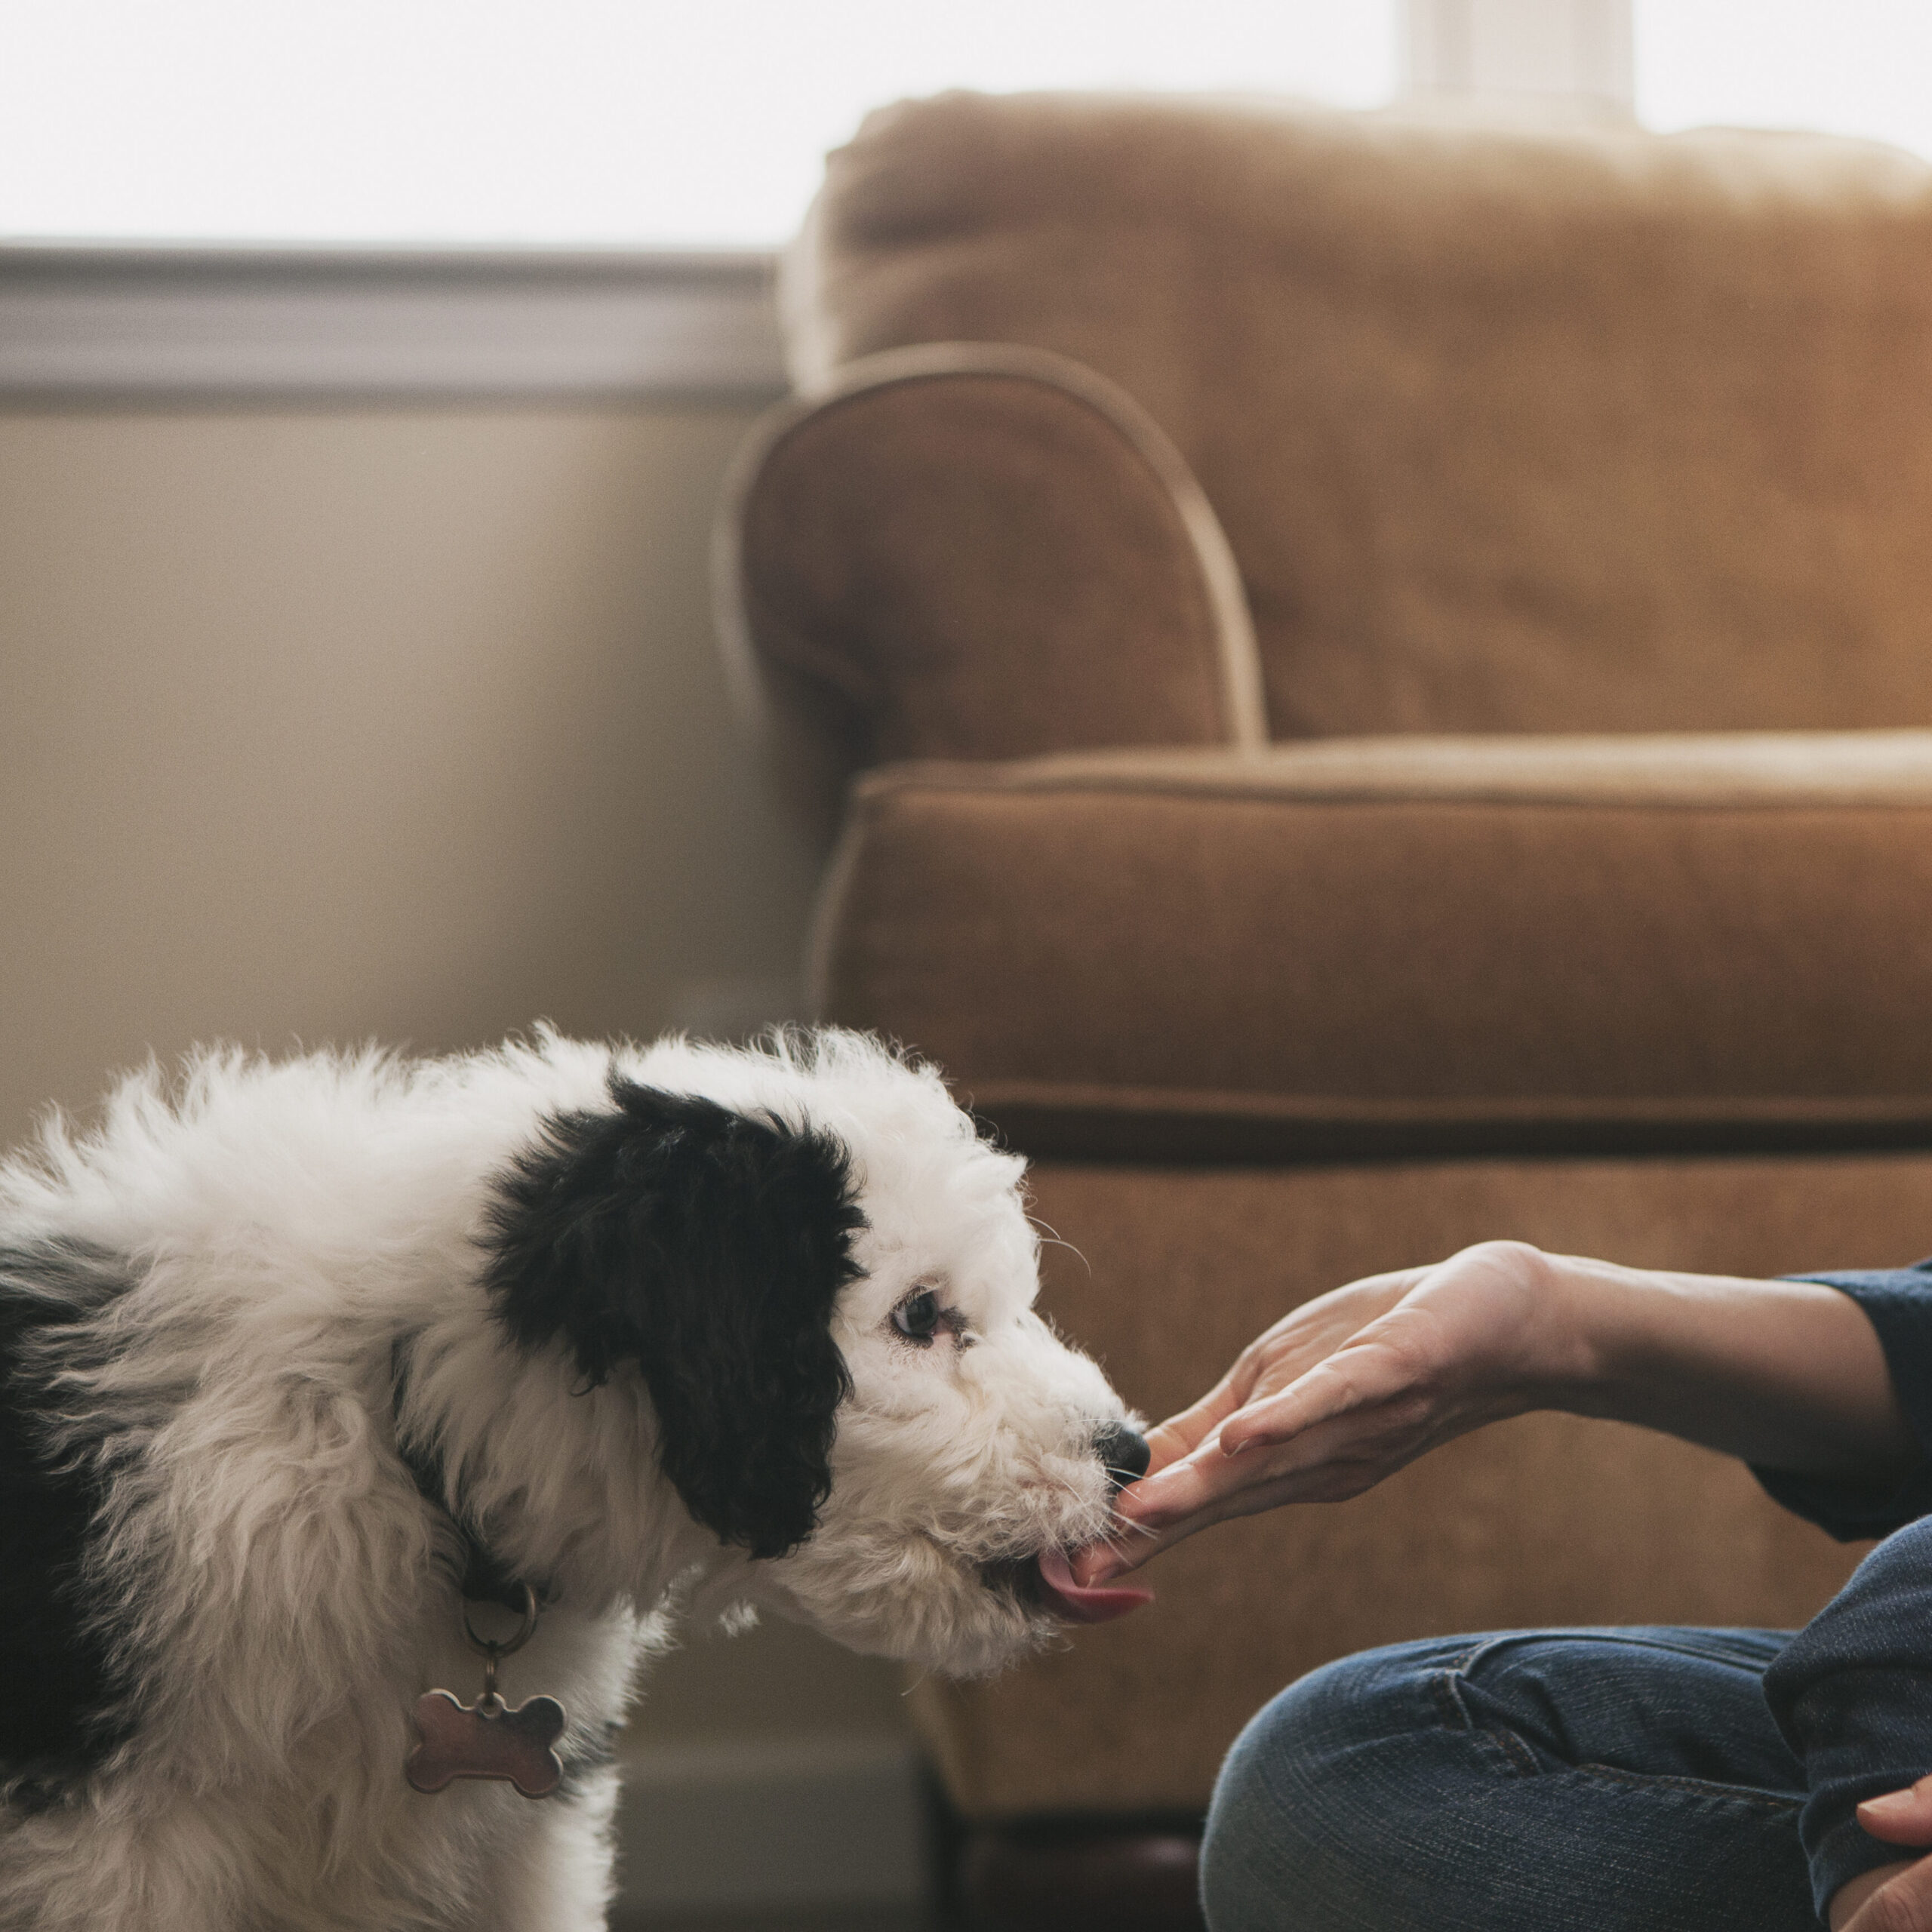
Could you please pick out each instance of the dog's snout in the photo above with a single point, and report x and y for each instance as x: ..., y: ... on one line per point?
x: 1124, y: 1451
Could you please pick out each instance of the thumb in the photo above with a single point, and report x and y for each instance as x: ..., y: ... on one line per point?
x: 1900, y: 1817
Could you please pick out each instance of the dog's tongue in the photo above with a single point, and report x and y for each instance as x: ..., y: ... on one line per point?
x: 1086, y: 1603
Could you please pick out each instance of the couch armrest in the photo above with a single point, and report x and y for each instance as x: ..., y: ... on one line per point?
x: 972, y: 551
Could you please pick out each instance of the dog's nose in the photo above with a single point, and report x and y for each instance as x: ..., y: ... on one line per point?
x: 1124, y: 1451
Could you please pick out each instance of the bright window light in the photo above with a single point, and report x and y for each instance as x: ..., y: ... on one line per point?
x: 596, y: 122
x: 1848, y: 66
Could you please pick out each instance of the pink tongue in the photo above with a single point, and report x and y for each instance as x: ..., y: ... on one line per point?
x: 1086, y: 1603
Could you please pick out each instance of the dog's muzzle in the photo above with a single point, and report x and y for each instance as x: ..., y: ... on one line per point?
x: 1045, y: 1580
x: 1123, y: 1452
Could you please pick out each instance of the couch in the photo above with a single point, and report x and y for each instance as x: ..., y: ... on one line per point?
x: 1378, y: 672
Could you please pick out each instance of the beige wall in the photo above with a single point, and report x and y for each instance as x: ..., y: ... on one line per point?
x: 403, y: 723
x: 406, y: 724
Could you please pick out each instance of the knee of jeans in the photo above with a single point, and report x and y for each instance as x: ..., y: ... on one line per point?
x: 1277, y: 1850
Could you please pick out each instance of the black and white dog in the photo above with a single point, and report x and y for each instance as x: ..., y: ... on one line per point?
x: 295, y: 1359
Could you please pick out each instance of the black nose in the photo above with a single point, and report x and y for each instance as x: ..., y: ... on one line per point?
x: 1124, y: 1452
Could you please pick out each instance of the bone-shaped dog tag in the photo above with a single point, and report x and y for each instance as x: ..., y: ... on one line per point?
x: 487, y: 1739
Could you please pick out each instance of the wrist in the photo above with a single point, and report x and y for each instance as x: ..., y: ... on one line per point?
x: 1594, y: 1334
x: 1534, y: 1353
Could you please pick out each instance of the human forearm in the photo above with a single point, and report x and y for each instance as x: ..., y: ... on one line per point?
x: 1348, y: 1388
x: 1789, y: 1375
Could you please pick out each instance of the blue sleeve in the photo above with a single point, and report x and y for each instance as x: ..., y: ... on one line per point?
x: 1852, y: 1693
x: 1898, y: 1303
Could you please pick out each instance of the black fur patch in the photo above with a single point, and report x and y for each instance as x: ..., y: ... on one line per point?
x: 708, y: 1246
x: 61, y: 1712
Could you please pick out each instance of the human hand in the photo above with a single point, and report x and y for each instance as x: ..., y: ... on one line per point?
x: 1343, y: 1391
x: 1895, y: 1897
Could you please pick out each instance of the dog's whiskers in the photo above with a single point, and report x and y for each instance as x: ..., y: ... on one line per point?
x: 1051, y: 1238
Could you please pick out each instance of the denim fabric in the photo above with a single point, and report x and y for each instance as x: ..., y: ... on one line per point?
x: 1852, y: 1693
x: 1897, y: 1302
x: 1528, y: 1781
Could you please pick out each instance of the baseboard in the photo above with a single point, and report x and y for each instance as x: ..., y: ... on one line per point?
x: 772, y: 1826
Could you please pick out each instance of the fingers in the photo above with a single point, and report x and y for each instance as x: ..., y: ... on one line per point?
x: 1900, y: 1817
x: 1273, y: 1451
x: 1184, y: 1488
x: 1358, y: 1375
x: 1196, y: 1506
x: 1900, y: 1900
x: 1279, y: 1357
x: 1324, y: 1363
x: 1129, y: 1547
x: 1895, y: 1898
x: 1181, y: 1435
x: 1335, y: 1459
x: 1260, y: 1365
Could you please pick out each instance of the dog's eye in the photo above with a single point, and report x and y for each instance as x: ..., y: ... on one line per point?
x: 917, y: 1317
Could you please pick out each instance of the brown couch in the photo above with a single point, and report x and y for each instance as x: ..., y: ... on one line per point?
x: 1389, y: 667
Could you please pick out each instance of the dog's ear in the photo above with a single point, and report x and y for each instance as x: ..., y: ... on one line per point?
x: 709, y: 1246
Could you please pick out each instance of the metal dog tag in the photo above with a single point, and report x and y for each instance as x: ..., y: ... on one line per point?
x: 486, y: 1739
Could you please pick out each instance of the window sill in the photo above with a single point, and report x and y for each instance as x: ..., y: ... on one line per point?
x: 104, y: 323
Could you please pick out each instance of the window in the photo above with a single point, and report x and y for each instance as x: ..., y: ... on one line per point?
x: 628, y: 130
x: 626, y: 122
x: 1853, y: 66
x: 644, y: 123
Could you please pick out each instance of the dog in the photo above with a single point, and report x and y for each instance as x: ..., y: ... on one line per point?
x: 303, y: 1363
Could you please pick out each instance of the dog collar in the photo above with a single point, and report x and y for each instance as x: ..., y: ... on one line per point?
x: 486, y: 1577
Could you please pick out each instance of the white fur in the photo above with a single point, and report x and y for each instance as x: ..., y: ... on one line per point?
x: 292, y: 1591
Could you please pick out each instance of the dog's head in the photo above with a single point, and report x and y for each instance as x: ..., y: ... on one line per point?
x: 819, y: 1278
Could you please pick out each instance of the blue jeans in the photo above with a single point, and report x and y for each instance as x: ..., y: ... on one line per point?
x: 1525, y: 1781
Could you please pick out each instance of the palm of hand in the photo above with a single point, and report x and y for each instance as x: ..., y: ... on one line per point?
x: 1340, y: 1393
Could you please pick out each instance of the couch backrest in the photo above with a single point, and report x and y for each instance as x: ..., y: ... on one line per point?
x: 1511, y: 429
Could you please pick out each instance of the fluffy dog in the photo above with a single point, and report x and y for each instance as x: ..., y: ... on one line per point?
x: 295, y: 1360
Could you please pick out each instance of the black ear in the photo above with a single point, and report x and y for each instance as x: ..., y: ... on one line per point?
x: 709, y: 1246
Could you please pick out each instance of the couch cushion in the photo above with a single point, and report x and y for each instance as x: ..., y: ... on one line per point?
x: 1510, y: 429
x: 1408, y: 944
